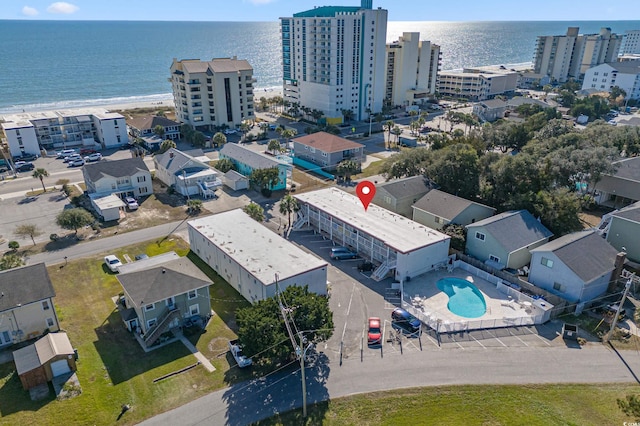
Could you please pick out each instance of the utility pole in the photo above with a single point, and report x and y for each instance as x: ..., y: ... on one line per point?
x: 627, y: 286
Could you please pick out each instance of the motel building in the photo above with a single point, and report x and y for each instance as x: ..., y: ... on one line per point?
x: 394, y: 243
x: 251, y: 257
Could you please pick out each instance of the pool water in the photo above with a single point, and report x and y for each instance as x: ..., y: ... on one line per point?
x: 465, y: 299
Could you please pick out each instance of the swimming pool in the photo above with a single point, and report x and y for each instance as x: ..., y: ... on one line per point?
x: 465, y: 299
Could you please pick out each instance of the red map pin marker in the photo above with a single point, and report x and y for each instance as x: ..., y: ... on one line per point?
x: 365, y: 191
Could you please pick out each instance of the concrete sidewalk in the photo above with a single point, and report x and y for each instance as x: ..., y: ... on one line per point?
x: 203, y: 360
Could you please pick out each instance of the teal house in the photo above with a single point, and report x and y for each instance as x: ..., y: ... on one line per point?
x: 246, y: 161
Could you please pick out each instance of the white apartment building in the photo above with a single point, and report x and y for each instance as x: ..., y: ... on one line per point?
x: 625, y: 75
x: 214, y: 93
x: 478, y: 84
x: 412, y: 70
x: 29, y: 133
x: 630, y: 43
x: 569, y: 56
x: 333, y: 59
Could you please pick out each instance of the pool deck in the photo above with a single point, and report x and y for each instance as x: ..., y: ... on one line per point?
x: 423, y: 294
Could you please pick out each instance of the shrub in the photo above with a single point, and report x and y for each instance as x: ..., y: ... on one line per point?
x: 14, y: 245
x: 54, y: 237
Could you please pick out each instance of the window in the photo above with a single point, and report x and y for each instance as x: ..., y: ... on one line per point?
x: 142, y: 178
x: 50, y: 322
x: 194, y: 309
x: 150, y: 307
x: 494, y: 258
x: 480, y: 236
x: 45, y: 305
x: 170, y: 301
x: 547, y: 262
x: 192, y: 294
x: 436, y: 219
x: 558, y: 287
x: 151, y: 323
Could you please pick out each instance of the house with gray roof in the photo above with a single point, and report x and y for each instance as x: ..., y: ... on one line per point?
x: 246, y: 161
x: 622, y: 187
x: 438, y: 208
x: 141, y: 127
x: 26, y: 304
x: 162, y: 295
x: 129, y: 177
x: 327, y: 150
x: 185, y: 173
x: 400, y: 194
x: 576, y: 267
x: 621, y: 229
x: 505, y: 240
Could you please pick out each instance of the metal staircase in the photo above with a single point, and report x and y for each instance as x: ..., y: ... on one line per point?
x: 383, y: 270
x: 151, y: 336
x: 300, y: 222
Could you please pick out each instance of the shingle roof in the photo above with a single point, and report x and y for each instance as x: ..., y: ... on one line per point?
x: 234, y: 176
x: 161, y: 282
x: 407, y: 187
x: 626, y: 67
x: 444, y: 205
x: 631, y: 212
x: 255, y: 160
x: 326, y: 142
x: 175, y: 160
x: 149, y: 122
x: 42, y: 351
x: 514, y: 230
x: 116, y: 168
x: 586, y: 253
x: 629, y: 168
x: 21, y: 286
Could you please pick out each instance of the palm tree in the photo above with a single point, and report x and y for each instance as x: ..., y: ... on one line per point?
x: 387, y: 126
x: 288, y: 205
x: 255, y: 211
x: 244, y: 128
x: 274, y: 146
x: 347, y: 168
x: 397, y: 131
x: 219, y: 139
x: 40, y: 174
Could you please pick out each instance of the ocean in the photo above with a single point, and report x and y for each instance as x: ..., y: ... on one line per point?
x: 67, y: 64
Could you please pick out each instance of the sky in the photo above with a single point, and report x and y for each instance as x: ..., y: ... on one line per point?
x: 271, y: 10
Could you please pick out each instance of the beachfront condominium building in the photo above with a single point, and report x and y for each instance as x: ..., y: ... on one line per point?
x: 478, y: 84
x: 412, y: 70
x: 333, y: 59
x: 212, y: 94
x: 30, y: 133
x: 625, y: 75
x: 631, y: 43
x: 569, y: 56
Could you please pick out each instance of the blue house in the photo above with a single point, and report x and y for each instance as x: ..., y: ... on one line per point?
x: 246, y: 161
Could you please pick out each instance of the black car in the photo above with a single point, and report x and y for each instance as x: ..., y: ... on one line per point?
x: 404, y: 320
x: 24, y: 167
x: 26, y: 157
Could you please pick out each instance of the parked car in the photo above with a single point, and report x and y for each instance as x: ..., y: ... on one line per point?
x: 272, y: 126
x: 72, y: 157
x: 236, y: 351
x: 23, y: 166
x: 96, y: 156
x: 26, y: 157
x: 374, y: 335
x: 230, y: 131
x: 339, y: 253
x: 131, y: 203
x: 112, y: 262
x: 405, y: 321
x: 87, y: 151
x: 65, y: 153
x: 365, y: 266
x: 142, y: 256
x: 76, y: 162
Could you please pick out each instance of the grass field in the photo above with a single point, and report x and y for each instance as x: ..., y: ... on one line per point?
x: 472, y: 405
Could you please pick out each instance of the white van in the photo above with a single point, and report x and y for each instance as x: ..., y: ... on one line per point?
x: 65, y: 153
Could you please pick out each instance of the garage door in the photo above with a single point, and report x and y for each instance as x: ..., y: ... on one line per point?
x: 60, y: 367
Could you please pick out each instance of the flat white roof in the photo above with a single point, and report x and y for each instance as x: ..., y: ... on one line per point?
x: 396, y: 231
x: 100, y: 113
x: 254, y: 247
x: 108, y: 202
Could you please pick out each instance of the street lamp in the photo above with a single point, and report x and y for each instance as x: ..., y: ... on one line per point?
x: 301, y: 354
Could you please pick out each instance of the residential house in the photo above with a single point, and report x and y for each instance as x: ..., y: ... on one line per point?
x: 40, y: 362
x: 621, y: 229
x: 235, y: 180
x: 160, y: 293
x: 326, y: 151
x: 437, y: 209
x: 253, y: 259
x: 622, y: 187
x: 604, y: 77
x: 505, y: 240
x: 127, y: 177
x: 26, y: 304
x: 186, y: 174
x: 576, y: 267
x: 532, y: 80
x: 399, y: 195
x: 490, y: 110
x: 246, y: 161
x: 140, y: 127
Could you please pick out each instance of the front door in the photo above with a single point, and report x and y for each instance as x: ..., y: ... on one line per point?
x: 5, y: 338
x: 133, y: 325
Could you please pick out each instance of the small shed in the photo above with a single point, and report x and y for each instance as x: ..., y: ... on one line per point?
x: 108, y: 207
x: 235, y: 180
x: 40, y: 362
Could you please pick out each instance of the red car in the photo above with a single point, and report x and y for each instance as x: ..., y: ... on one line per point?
x: 374, y: 336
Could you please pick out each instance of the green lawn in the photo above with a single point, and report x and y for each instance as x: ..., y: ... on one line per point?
x: 112, y: 368
x: 472, y: 405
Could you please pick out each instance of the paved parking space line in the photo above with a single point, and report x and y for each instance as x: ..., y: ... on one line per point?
x: 432, y: 340
x: 496, y: 337
x: 454, y: 341
x: 477, y: 341
x: 523, y: 342
x: 536, y: 334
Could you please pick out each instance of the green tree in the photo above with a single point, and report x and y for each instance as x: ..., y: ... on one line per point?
x: 347, y: 115
x: 265, y: 179
x: 219, y: 139
x: 11, y: 260
x: 274, y: 146
x: 255, y: 211
x: 244, y: 129
x: 224, y: 165
x: 194, y: 206
x: 289, y: 205
x: 187, y: 131
x: 406, y: 163
x: 28, y: 230
x: 73, y: 219
x: 13, y: 245
x: 455, y: 168
x: 396, y: 131
x: 630, y: 406
x: 159, y: 130
x: 558, y: 210
x: 166, y: 146
x: 262, y: 330
x: 347, y: 168
x: 198, y: 139
x: 617, y: 95
x: 458, y: 234
x: 40, y: 173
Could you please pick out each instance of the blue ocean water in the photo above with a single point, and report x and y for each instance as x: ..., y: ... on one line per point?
x: 61, y: 64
